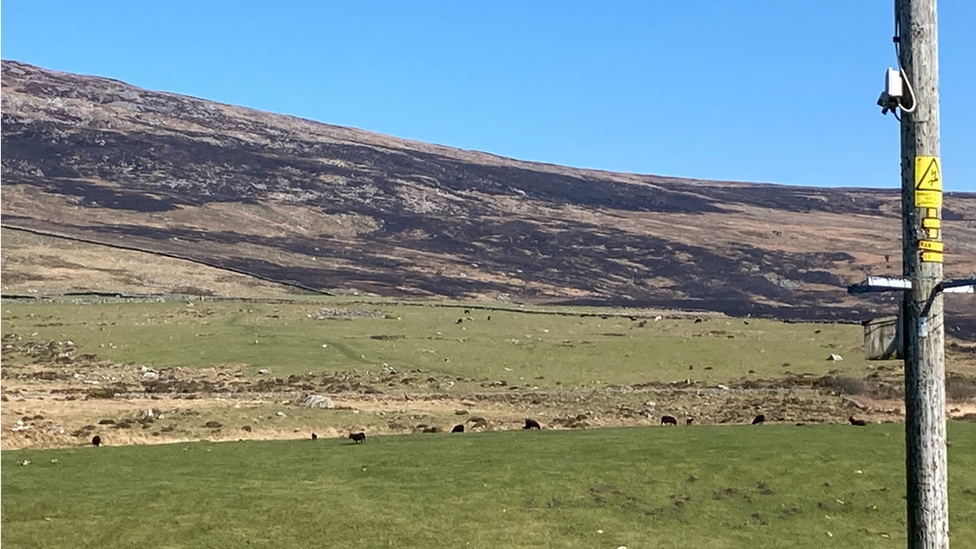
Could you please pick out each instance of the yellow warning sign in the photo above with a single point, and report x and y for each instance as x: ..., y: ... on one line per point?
x: 928, y: 182
x: 932, y: 257
x: 930, y: 246
x: 928, y: 173
x: 932, y: 223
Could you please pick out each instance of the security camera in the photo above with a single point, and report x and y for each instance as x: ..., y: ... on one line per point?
x: 890, y: 98
x: 887, y: 102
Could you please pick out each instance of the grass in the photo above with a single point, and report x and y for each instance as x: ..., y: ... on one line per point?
x: 515, y: 346
x: 703, y: 487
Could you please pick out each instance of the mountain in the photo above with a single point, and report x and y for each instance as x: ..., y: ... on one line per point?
x: 338, y: 209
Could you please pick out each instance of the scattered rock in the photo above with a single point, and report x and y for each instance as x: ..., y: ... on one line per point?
x: 316, y: 401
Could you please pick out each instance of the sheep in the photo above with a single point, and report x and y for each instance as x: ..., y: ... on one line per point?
x: 668, y: 420
x: 759, y: 419
x: 459, y: 428
x: 314, y: 436
x: 531, y: 424
x: 96, y: 441
x: 358, y: 437
x: 857, y: 422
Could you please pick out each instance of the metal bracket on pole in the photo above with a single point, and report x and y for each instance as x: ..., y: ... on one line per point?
x: 875, y: 284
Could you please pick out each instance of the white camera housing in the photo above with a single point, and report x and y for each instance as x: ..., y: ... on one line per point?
x: 891, y: 96
x: 893, y: 83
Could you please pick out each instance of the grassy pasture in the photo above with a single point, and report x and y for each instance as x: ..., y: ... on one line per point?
x: 703, y: 487
x: 515, y: 346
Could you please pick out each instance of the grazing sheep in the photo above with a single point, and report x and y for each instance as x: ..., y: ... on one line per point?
x: 532, y: 424
x: 96, y: 440
x: 458, y: 429
x: 858, y: 422
x: 459, y: 321
x: 358, y: 437
x: 314, y: 436
x: 689, y: 421
x: 668, y: 420
x: 759, y: 419
x: 467, y: 311
x: 489, y: 317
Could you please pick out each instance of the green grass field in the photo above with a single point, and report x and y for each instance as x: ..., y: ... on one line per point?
x: 702, y: 487
x: 566, y: 349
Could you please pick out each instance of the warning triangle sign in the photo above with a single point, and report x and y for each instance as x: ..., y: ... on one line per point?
x: 928, y: 173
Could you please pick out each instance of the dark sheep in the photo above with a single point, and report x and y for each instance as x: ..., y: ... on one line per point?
x: 314, y: 436
x: 668, y: 420
x: 698, y: 321
x: 458, y: 429
x: 96, y: 440
x: 467, y: 311
x: 489, y: 317
x: 759, y: 419
x: 857, y: 422
x: 532, y: 424
x: 459, y: 321
x: 689, y: 421
x: 358, y: 437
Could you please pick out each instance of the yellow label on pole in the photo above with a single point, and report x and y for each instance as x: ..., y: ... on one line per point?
x: 932, y: 257
x: 930, y: 246
x: 928, y: 182
x: 932, y: 233
x: 928, y: 199
x: 932, y: 223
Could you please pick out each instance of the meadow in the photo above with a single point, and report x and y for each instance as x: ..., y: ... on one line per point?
x: 547, y: 349
x: 704, y: 487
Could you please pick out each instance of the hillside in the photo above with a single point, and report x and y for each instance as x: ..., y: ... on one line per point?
x: 340, y: 210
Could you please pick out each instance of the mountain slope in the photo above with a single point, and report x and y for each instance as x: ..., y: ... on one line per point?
x: 336, y: 208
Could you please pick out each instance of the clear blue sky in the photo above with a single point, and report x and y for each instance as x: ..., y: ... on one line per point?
x: 777, y: 91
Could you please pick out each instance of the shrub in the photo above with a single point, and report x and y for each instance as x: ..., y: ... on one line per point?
x: 841, y: 384
x: 960, y: 388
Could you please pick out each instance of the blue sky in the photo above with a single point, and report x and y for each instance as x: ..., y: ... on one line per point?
x: 776, y: 91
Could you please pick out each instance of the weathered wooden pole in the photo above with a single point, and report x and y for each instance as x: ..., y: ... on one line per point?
x: 921, y: 180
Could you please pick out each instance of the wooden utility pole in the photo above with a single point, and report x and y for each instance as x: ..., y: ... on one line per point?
x: 921, y: 180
